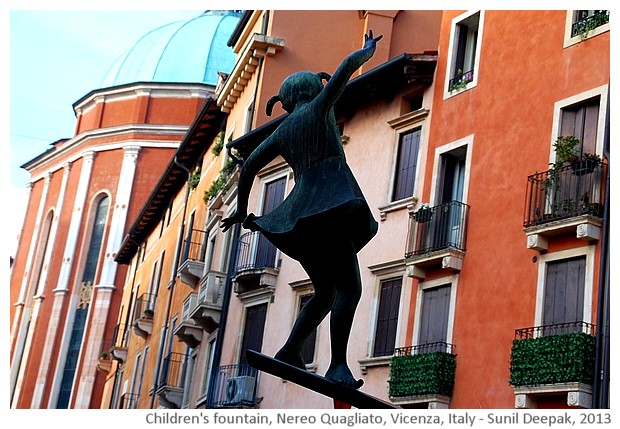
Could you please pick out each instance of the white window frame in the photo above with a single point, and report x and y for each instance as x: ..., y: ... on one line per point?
x: 382, y: 273
x: 468, y: 142
x: 453, y: 280
x: 559, y: 106
x: 452, y: 52
x: 568, y: 28
x: 589, y: 253
x: 402, y: 125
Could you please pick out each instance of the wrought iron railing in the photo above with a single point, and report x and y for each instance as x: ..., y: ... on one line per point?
x: 194, y: 246
x: 565, y: 192
x: 555, y: 329
x: 144, y: 306
x: 460, y: 80
x: 235, y: 386
x: 255, y: 251
x: 173, y: 370
x: 438, y: 346
x: 437, y: 228
x: 587, y: 23
x: 128, y: 401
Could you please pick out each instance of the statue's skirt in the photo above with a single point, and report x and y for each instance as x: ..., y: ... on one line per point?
x: 326, y: 203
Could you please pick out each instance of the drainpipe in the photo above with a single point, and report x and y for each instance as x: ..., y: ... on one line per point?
x: 232, y: 260
x: 221, y: 331
x: 601, y: 364
x: 175, y: 267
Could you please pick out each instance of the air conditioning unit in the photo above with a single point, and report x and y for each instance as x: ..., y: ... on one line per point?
x: 240, y: 390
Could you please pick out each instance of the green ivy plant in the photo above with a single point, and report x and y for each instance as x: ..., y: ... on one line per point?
x: 553, y: 359
x: 217, y: 147
x: 422, y: 374
x: 583, y: 28
x: 220, y: 181
x: 195, y: 178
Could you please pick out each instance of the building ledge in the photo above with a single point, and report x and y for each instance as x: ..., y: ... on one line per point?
x: 189, y: 334
x: 119, y: 353
x: 143, y: 327
x: 577, y: 394
x: 190, y: 272
x: 255, y: 278
x: 170, y: 397
x: 431, y: 401
x: 586, y: 227
x: 447, y: 259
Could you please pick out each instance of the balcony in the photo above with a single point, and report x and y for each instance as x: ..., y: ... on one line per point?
x: 143, y: 315
x: 235, y: 387
x: 436, y: 238
x: 208, y: 308
x: 423, y: 375
x: 553, y: 360
x: 187, y: 331
x: 460, y: 81
x: 118, y: 347
x: 567, y: 200
x: 172, y: 381
x: 193, y: 258
x: 586, y: 23
x: 257, y: 264
x: 104, y: 363
x: 128, y: 401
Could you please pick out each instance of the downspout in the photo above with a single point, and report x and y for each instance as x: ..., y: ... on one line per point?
x: 175, y: 267
x: 232, y: 259
x: 601, y: 363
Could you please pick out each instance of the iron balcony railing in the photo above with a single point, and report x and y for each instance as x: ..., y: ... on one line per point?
x: 194, y: 246
x: 173, y: 371
x: 438, y: 346
x: 254, y: 251
x: 234, y: 387
x: 460, y: 80
x: 588, y: 23
x: 555, y: 329
x: 565, y: 192
x: 437, y: 228
x: 144, y: 307
x: 128, y: 401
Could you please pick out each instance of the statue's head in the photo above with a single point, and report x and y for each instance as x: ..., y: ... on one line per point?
x: 301, y: 86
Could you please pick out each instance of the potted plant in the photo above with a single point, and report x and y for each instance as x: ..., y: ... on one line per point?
x: 585, y: 164
x: 424, y: 214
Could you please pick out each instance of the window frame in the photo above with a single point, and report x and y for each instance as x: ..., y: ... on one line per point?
x: 589, y: 253
x: 430, y: 284
x: 570, y: 40
x: 453, y: 50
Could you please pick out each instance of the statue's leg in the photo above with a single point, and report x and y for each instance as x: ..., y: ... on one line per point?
x: 344, y: 270
x: 310, y: 315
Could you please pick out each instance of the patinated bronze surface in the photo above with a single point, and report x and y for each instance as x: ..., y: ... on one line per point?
x: 325, y: 220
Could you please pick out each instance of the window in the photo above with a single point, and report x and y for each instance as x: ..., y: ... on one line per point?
x: 253, y: 330
x: 585, y: 21
x: 406, y: 164
x: 273, y: 195
x: 564, y: 291
x: 387, y: 317
x: 81, y: 312
x: 581, y: 120
x: 464, y: 51
x: 434, y: 317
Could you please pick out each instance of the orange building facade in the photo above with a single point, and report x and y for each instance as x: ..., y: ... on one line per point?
x: 489, y: 265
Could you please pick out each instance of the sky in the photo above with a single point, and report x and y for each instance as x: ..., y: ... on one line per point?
x: 56, y: 57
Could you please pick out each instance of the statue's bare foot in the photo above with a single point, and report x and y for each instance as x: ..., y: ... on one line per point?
x: 292, y: 358
x: 341, y: 374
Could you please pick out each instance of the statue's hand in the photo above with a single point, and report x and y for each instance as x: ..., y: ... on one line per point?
x: 370, y: 41
x: 237, y: 217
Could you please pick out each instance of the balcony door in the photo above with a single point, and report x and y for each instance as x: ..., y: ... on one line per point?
x: 434, y: 318
x: 273, y: 196
x: 564, y: 295
x: 450, y: 197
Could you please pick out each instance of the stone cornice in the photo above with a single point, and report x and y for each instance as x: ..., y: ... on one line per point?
x: 259, y: 46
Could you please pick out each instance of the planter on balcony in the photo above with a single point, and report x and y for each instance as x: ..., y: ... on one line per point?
x: 566, y: 358
x: 422, y: 374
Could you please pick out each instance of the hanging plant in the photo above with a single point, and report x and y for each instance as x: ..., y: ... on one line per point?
x: 218, y: 145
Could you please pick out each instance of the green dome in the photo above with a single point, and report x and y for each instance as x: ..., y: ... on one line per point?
x: 191, y: 51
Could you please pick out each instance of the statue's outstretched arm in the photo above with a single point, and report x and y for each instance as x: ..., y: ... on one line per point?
x: 260, y: 157
x: 345, y: 70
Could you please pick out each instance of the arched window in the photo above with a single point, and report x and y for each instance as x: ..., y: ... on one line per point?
x: 79, y: 322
